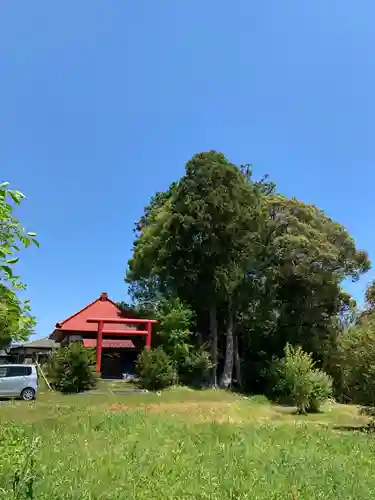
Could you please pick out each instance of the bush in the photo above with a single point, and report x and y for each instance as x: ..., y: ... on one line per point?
x: 155, y: 369
x: 321, y: 389
x: 191, y: 361
x: 298, y: 379
x: 71, y: 369
x: 195, y: 368
x: 356, y: 357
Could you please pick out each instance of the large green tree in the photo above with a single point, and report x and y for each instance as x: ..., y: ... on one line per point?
x: 294, y: 286
x: 16, y: 321
x: 259, y: 269
x: 196, y: 239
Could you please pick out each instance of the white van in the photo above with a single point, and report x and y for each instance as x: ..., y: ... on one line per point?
x: 18, y: 381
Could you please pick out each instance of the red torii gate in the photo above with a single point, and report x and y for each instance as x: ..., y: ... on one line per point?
x: 102, y: 331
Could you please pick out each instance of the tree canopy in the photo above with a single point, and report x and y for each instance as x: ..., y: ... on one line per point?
x: 258, y: 269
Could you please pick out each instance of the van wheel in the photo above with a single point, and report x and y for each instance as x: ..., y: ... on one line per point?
x: 28, y: 394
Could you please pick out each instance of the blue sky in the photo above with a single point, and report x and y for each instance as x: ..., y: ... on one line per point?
x: 103, y: 103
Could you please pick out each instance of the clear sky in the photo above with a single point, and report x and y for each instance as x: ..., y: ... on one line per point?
x: 102, y: 103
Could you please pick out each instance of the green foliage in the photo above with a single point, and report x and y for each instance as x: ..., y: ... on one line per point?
x: 17, y: 465
x: 355, y: 357
x: 195, y: 368
x: 155, y: 369
x: 321, y: 389
x: 197, y: 235
x: 7, y: 326
x: 306, y: 385
x: 293, y: 293
x: 253, y: 265
x: 16, y: 321
x: 175, y: 321
x: 71, y: 369
x: 357, y: 362
x: 191, y: 361
x: 370, y: 297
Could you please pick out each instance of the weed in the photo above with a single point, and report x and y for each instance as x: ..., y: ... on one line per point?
x: 18, y: 453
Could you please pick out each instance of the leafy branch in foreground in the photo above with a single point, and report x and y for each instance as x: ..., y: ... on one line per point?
x: 16, y: 321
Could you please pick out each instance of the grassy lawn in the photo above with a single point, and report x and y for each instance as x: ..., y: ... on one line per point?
x: 187, y: 444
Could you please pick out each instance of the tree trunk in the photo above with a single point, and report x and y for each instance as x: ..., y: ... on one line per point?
x: 226, y: 378
x: 237, y: 361
x: 214, y: 344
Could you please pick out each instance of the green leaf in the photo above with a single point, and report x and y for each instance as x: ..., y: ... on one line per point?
x: 7, y: 270
x: 16, y: 196
x: 31, y: 234
x: 26, y: 241
x: 12, y: 261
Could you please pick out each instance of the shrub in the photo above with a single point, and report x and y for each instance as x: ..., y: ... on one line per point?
x: 70, y: 369
x: 191, y: 361
x: 321, y: 389
x: 306, y: 385
x: 155, y: 369
x: 356, y: 357
x: 195, y: 368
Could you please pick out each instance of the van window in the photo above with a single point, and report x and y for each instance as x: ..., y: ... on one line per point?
x: 18, y: 371
x: 3, y: 371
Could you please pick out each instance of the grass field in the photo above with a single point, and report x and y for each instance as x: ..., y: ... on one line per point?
x: 185, y: 444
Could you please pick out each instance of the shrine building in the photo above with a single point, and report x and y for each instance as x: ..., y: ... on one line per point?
x: 118, y: 337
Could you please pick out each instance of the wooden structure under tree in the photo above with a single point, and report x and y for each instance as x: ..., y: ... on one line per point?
x: 104, y: 326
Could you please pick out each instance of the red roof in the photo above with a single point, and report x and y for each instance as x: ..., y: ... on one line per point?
x: 102, y: 307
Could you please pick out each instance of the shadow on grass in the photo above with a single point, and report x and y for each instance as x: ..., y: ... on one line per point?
x: 353, y: 428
